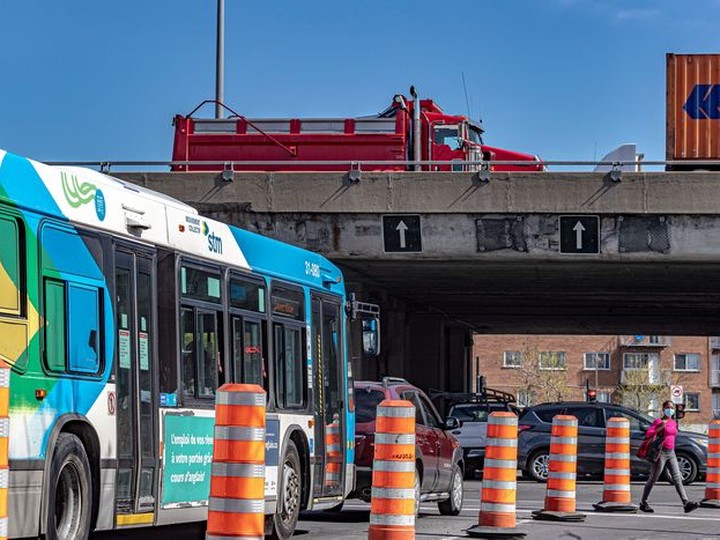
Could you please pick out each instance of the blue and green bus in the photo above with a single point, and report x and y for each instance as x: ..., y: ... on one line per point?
x: 121, y: 312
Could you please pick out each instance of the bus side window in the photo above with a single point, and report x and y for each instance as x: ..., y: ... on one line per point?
x: 187, y: 325
x: 289, y: 366
x: 249, y: 352
x: 11, y: 268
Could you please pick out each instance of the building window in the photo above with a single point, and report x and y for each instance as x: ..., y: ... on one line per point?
x: 635, y: 360
x: 553, y: 360
x: 692, y: 401
x: 512, y: 359
x: 716, y: 404
x: 687, y: 362
x: 597, y: 360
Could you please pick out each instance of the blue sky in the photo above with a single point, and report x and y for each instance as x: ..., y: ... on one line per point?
x: 566, y: 79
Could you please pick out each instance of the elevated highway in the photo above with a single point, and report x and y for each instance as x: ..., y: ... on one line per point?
x: 487, y: 256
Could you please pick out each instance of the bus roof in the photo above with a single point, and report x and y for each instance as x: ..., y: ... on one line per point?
x: 95, y: 200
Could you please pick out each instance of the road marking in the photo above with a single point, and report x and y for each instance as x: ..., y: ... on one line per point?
x: 424, y: 506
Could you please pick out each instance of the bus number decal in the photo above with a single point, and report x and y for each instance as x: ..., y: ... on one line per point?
x: 312, y: 269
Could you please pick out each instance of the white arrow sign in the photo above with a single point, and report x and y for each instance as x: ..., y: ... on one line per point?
x: 579, y: 229
x: 402, y: 228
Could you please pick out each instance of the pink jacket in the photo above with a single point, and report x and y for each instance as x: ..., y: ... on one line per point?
x: 669, y: 432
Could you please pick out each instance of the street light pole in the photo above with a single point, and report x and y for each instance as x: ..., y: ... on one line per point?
x: 220, y: 59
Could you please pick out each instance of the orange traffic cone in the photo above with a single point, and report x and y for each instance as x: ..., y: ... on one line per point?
x: 560, y: 500
x: 616, y: 486
x: 712, y: 478
x: 237, y: 485
x: 392, y: 504
x: 4, y: 446
x: 499, y: 485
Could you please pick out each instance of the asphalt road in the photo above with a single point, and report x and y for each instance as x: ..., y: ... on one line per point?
x: 668, y: 521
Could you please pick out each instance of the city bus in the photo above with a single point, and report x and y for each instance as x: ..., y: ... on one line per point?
x: 121, y: 312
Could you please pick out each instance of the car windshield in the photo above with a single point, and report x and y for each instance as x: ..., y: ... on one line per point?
x: 470, y: 412
x: 366, y: 402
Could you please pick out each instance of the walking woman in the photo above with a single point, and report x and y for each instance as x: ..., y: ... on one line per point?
x: 666, y: 428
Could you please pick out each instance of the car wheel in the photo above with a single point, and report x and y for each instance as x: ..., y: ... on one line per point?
x: 538, y: 465
x: 688, y: 469
x: 453, y: 505
x: 416, y: 487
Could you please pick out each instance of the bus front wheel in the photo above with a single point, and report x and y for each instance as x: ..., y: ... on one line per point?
x: 69, y: 503
x: 289, y: 494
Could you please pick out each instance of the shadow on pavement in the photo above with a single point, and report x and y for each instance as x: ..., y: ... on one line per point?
x: 346, y: 516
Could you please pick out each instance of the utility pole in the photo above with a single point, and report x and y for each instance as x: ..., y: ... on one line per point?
x: 220, y: 60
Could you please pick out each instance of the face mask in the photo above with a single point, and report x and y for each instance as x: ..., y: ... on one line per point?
x: 669, y: 412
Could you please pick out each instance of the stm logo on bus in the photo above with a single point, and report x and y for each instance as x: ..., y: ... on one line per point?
x: 215, y: 244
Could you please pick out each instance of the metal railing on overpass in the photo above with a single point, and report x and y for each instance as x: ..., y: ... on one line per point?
x: 617, y: 167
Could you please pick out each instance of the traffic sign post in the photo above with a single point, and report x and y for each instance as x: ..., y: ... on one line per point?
x: 580, y: 234
x: 402, y: 234
x: 676, y: 393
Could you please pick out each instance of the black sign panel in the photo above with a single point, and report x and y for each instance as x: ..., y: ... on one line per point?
x: 579, y: 234
x: 401, y: 234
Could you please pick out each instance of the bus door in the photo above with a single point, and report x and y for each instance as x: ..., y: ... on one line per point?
x: 329, y: 391
x: 137, y: 450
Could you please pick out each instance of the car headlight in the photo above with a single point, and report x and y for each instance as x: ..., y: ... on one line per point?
x: 699, y: 441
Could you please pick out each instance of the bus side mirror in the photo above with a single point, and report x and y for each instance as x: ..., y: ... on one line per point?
x: 371, y: 336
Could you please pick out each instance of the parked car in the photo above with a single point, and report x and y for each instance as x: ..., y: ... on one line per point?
x: 439, y: 461
x: 472, y: 410
x: 534, y: 440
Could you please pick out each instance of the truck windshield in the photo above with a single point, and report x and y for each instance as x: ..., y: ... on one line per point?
x: 475, y: 134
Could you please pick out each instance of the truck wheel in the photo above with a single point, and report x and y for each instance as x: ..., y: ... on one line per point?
x: 453, y: 505
x: 69, y: 493
x: 290, y: 495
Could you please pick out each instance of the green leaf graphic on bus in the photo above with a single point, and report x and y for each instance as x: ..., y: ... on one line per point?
x: 77, y: 194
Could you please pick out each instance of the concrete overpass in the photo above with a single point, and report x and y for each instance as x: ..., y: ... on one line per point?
x: 490, y: 252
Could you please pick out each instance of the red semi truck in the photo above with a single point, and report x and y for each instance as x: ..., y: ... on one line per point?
x: 382, y: 142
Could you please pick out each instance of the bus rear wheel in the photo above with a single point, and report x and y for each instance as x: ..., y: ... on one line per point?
x: 289, y: 494
x: 69, y: 494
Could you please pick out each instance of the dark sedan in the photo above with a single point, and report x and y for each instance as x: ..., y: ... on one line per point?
x: 534, y: 440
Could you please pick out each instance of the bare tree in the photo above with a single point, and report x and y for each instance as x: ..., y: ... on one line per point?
x: 542, y: 375
x: 644, y: 389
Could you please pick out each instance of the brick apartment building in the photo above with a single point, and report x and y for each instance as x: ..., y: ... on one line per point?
x: 612, y: 365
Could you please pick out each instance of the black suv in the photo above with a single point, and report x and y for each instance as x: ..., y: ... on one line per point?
x: 534, y: 440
